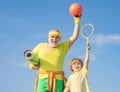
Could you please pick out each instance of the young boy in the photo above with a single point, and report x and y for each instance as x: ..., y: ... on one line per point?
x: 77, y: 82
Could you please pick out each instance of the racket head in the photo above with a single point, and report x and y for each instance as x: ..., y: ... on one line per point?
x: 87, y: 37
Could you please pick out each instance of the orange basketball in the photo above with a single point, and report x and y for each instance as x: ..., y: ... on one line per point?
x: 75, y: 10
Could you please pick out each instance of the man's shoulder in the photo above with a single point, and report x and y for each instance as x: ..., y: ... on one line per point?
x: 41, y: 44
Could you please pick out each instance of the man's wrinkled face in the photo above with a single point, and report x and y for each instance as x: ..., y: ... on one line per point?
x: 54, y: 38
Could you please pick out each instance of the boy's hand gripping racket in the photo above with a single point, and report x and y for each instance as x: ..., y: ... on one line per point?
x: 87, y: 37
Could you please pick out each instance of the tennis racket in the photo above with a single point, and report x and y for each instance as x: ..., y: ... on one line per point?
x: 91, y: 31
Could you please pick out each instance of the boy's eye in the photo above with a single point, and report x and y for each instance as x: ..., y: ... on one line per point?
x: 76, y: 63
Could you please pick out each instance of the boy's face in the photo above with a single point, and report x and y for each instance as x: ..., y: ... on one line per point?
x: 53, y: 40
x: 76, y: 66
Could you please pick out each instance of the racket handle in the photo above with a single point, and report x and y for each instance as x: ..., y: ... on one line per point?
x: 87, y: 43
x: 87, y: 46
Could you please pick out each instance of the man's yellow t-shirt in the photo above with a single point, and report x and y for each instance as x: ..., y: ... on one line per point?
x: 51, y: 60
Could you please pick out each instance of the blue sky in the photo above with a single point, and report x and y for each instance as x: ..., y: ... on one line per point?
x: 25, y: 23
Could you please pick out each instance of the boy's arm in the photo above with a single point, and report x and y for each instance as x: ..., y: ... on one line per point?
x: 87, y: 56
x: 75, y: 31
x: 67, y: 89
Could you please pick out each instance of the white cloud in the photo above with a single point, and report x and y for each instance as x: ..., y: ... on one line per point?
x: 102, y: 39
x: 24, y: 65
